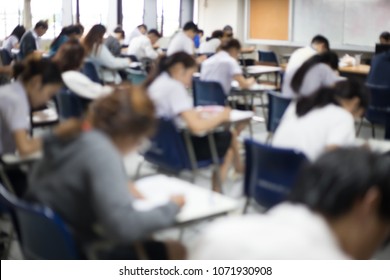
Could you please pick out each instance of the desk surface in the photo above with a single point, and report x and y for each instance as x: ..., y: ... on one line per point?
x: 200, y: 203
x: 254, y: 88
x: 361, y: 69
x: 262, y: 69
x: 376, y: 145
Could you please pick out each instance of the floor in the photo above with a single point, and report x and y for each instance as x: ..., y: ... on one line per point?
x: 232, y: 188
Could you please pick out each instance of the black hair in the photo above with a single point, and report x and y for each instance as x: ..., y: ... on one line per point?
x: 18, y: 31
x: 347, y: 89
x: 216, y: 34
x: 120, y: 30
x: 190, y: 26
x: 385, y: 35
x: 332, y: 184
x: 227, y: 28
x: 231, y: 44
x: 143, y: 26
x: 167, y: 62
x: 329, y: 58
x: 42, y: 24
x: 155, y: 32
x: 319, y: 39
x: 48, y: 70
x: 66, y: 31
x: 200, y: 31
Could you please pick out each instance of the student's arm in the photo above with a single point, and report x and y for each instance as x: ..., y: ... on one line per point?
x: 197, y: 124
x: 26, y: 145
x: 149, y: 50
x: 244, y: 83
x: 106, y: 59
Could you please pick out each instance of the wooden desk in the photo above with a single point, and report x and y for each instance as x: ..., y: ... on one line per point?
x: 357, y: 70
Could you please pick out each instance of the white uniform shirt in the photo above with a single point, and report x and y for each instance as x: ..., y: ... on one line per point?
x: 296, y: 60
x: 318, y: 76
x: 170, y: 97
x: 285, y: 232
x: 14, y: 115
x: 181, y: 43
x: 209, y: 46
x: 313, y: 132
x: 10, y: 42
x: 141, y: 47
x: 221, y: 68
x: 134, y: 34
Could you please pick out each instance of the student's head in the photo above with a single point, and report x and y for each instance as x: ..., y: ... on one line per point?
x: 350, y: 188
x: 153, y: 36
x: 94, y: 37
x: 352, y: 95
x: 191, y: 29
x: 74, y: 32
x: 41, y: 79
x: 233, y: 47
x: 384, y: 38
x: 69, y: 56
x: 142, y: 28
x: 217, y: 34
x: 320, y: 44
x: 119, y: 33
x: 18, y: 31
x: 200, y: 33
x: 80, y: 27
x: 180, y: 66
x: 329, y: 58
x: 41, y: 27
x: 227, y: 33
x: 127, y: 116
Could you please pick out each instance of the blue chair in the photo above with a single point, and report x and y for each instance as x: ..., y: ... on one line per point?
x: 378, y: 112
x: 6, y: 57
x: 268, y: 57
x: 89, y: 69
x: 270, y: 173
x: 70, y: 105
x: 208, y: 93
x: 42, y: 233
x: 172, y: 150
x: 277, y: 105
x: 136, y: 77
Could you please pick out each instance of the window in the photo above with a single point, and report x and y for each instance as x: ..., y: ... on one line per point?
x: 168, y: 15
x: 92, y: 12
x: 10, y: 16
x: 133, y: 14
x: 48, y: 10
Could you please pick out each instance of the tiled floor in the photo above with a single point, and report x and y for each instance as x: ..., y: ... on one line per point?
x: 232, y: 188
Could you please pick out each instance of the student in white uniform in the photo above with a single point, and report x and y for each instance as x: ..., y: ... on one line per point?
x: 322, y: 121
x: 212, y: 43
x: 319, y: 44
x: 138, y: 31
x: 320, y: 70
x: 183, y: 41
x: 223, y: 67
x: 338, y: 210
x: 99, y: 54
x: 142, y: 46
x: 168, y: 92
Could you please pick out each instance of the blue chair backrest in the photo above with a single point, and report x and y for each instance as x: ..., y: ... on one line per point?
x: 70, y: 105
x: 5, y: 56
x: 208, y: 93
x: 277, y: 105
x: 42, y: 233
x: 268, y: 56
x: 270, y: 172
x: 378, y: 111
x: 168, y: 149
x: 89, y: 70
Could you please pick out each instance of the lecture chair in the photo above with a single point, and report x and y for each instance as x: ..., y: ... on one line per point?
x: 270, y: 173
x: 208, y: 93
x: 6, y: 57
x: 89, y: 69
x: 172, y: 151
x: 69, y: 105
x: 42, y: 234
x: 268, y: 57
x: 378, y: 111
x: 277, y: 105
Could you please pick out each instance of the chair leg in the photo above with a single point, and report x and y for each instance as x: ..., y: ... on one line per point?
x: 214, y: 155
x: 247, y: 202
x: 359, y: 128
x: 373, y: 130
x: 269, y: 138
x: 138, y: 171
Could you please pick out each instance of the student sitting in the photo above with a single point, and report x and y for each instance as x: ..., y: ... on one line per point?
x: 318, y: 71
x: 212, y: 43
x: 338, y: 209
x: 323, y: 120
x: 83, y: 179
x: 30, y: 41
x: 140, y: 30
x: 72, y: 32
x: 183, y: 40
x: 142, y: 46
x: 223, y: 67
x: 36, y: 83
x: 380, y: 70
x: 114, y: 41
x: 168, y: 91
x: 99, y: 54
x: 319, y: 44
x: 12, y: 41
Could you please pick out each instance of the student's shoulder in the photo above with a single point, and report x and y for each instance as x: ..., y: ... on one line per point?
x: 338, y: 113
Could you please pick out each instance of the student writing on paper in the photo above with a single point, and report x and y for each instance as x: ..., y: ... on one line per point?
x: 338, y: 209
x: 212, y: 43
x: 12, y: 41
x: 168, y: 91
x: 82, y: 178
x: 31, y: 40
x: 323, y: 120
x: 142, y: 47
